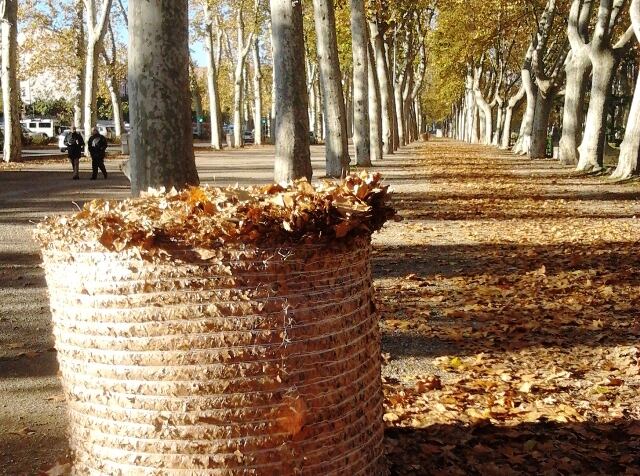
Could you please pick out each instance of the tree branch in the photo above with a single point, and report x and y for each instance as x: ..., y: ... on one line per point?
x: 573, y: 29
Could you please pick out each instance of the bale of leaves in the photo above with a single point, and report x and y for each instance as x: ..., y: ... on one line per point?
x: 221, y: 331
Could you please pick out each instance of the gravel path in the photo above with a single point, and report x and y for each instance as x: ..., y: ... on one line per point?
x: 408, y: 254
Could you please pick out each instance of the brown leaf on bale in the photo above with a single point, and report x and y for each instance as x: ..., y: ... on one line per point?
x: 201, y: 218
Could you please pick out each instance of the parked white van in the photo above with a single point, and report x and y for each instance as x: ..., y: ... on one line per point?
x: 47, y: 127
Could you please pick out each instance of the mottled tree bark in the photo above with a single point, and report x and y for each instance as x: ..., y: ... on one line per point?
x: 486, y: 126
x: 312, y: 72
x: 524, y: 137
x: 243, y: 47
x: 257, y: 92
x: 470, y: 109
x: 361, y: 138
x: 508, y: 116
x: 382, y: 74
x: 629, y: 161
x: 113, y: 84
x: 10, y: 87
x: 531, y: 92
x: 292, y: 159
x: 337, y: 151
x: 548, y: 78
x: 577, y: 69
x: 160, y: 110
x: 399, y: 106
x: 544, y: 104
x: 211, y: 46
x: 196, y: 97
x: 391, y: 52
x: 605, y: 57
x: 348, y: 102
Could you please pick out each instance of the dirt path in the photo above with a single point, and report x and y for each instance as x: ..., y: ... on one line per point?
x: 509, y: 298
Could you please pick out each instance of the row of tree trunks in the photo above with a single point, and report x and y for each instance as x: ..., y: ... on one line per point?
x: 592, y: 58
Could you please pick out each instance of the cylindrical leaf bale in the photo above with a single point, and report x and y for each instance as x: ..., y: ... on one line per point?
x: 221, y: 331
x: 253, y: 361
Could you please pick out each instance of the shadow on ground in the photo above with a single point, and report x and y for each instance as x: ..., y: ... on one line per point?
x: 531, y: 448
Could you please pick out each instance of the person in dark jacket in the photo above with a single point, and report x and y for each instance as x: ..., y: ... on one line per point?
x: 97, y: 149
x: 75, y: 146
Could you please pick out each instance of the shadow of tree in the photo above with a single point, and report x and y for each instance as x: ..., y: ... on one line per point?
x: 532, y: 448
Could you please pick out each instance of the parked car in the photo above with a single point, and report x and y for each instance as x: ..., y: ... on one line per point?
x: 42, y: 128
x: 248, y: 137
x: 27, y: 137
x: 39, y: 137
x: 62, y: 137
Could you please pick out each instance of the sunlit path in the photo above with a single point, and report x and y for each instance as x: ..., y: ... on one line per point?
x: 509, y: 299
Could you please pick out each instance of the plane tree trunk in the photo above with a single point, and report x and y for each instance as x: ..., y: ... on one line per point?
x: 212, y: 47
x: 486, y: 114
x: 196, y: 97
x: 335, y: 117
x: 79, y: 64
x: 96, y: 29
x: 548, y: 67
x: 243, y: 47
x: 257, y: 93
x: 512, y: 104
x: 523, y: 143
x: 10, y: 88
x: 629, y: 162
x: 383, y: 77
x: 292, y: 157
x: 375, y: 108
x: 361, y: 138
x: 577, y: 69
x: 113, y: 81
x: 605, y: 56
x: 159, y: 98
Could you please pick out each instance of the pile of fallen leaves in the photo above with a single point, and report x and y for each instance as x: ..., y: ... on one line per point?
x: 207, y: 217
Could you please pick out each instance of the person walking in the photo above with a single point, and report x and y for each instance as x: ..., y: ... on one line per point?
x: 97, y: 149
x: 75, y: 145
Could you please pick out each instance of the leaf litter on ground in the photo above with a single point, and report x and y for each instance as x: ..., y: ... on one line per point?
x: 510, y: 294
